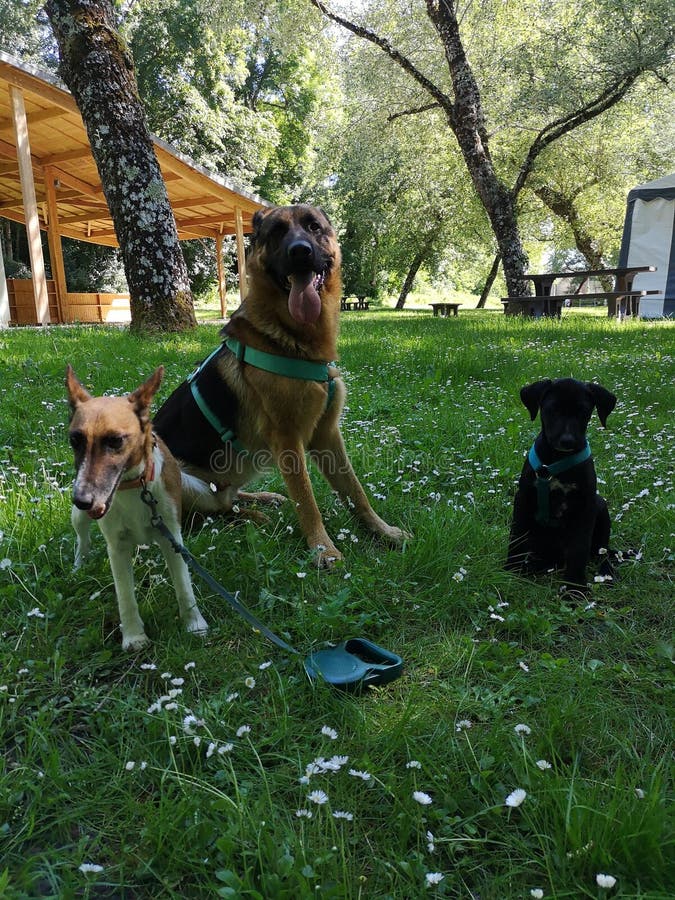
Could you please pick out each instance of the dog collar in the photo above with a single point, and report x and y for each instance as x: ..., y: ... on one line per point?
x: 147, y: 477
x: 545, y: 474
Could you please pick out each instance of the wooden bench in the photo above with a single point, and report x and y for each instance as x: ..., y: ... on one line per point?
x: 360, y: 303
x: 621, y: 303
x: 444, y: 309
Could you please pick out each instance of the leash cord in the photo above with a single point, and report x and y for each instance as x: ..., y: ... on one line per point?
x: 158, y: 522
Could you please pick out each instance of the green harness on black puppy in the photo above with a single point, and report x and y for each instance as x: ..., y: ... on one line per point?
x: 546, y: 473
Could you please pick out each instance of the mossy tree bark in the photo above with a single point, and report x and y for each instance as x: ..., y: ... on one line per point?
x: 98, y: 69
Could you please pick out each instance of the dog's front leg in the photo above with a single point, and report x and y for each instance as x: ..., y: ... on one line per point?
x: 577, y: 554
x: 189, y: 611
x: 292, y: 465
x: 329, y: 454
x: 519, y: 537
x: 133, y: 631
x: 82, y: 525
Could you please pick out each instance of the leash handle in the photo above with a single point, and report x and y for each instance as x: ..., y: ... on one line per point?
x: 191, y: 562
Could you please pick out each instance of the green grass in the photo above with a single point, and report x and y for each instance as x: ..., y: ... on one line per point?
x: 437, y: 433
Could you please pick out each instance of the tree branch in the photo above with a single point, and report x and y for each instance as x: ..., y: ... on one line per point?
x: 554, y: 130
x: 442, y: 99
x: 412, y: 112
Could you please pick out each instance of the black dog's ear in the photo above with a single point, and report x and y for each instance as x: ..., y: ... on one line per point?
x: 531, y: 395
x: 604, y: 400
x: 325, y: 215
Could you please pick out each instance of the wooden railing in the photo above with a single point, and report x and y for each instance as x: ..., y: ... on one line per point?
x: 79, y: 307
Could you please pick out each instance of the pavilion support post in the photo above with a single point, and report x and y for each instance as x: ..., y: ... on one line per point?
x: 241, y: 253
x: 55, y: 248
x: 4, y: 293
x: 222, y: 288
x: 37, y: 262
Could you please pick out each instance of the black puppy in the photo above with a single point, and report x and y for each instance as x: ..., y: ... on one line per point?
x: 559, y: 519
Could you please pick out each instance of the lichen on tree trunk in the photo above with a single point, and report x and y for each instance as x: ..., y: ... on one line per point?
x: 98, y: 69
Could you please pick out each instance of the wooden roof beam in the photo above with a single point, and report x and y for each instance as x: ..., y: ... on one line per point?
x: 66, y: 156
x: 215, y: 219
x: 42, y: 115
x: 38, y: 87
x: 89, y: 190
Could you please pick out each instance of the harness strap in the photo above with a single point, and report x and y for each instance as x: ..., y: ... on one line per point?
x: 303, y: 369
x: 224, y: 432
x: 545, y: 474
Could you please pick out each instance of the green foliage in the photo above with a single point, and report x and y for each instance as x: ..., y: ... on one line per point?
x: 437, y: 432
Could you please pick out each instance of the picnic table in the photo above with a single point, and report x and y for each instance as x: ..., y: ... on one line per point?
x: 622, y: 301
x: 444, y: 309
x: 359, y: 303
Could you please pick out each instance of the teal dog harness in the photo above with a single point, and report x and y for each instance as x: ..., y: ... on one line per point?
x: 546, y: 473
x: 302, y: 369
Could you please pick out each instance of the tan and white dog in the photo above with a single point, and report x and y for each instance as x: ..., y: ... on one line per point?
x: 116, y: 453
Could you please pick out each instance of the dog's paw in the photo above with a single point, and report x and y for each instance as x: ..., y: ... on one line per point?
x: 326, y: 556
x: 396, y: 535
x: 262, y: 497
x: 196, y: 624
x: 135, y: 642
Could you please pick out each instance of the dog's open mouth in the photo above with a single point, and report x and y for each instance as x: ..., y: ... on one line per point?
x: 304, y: 302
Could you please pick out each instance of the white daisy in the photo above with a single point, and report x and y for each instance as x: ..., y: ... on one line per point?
x: 329, y: 732
x: 522, y: 729
x: 605, y: 881
x: 318, y: 797
x: 516, y: 797
x: 422, y: 798
x: 86, y: 868
x: 434, y: 878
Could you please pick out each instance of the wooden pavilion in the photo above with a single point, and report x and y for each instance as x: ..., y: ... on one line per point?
x: 49, y: 181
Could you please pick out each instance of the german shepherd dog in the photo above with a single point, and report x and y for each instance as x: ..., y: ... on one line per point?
x: 270, y: 392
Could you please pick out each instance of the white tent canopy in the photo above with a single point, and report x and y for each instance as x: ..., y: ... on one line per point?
x: 649, y: 240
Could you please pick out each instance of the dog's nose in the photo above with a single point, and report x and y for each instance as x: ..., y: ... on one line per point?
x: 299, y: 250
x: 82, y: 502
x: 567, y: 441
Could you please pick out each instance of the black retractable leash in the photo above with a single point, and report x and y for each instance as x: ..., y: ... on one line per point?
x: 352, y: 665
x: 158, y: 522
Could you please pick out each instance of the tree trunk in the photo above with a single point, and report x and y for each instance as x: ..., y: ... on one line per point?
x: 564, y: 208
x: 410, y: 278
x: 98, y: 69
x: 467, y: 120
x: 489, y: 281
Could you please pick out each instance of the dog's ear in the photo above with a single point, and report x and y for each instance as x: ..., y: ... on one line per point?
x: 531, y: 395
x: 141, y: 398
x: 604, y: 400
x: 325, y: 215
x: 76, y: 393
x: 258, y: 218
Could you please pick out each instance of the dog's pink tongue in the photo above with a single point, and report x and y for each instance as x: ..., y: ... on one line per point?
x: 304, y: 303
